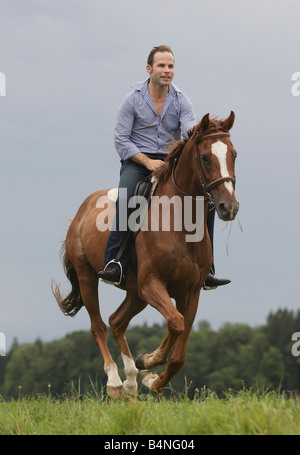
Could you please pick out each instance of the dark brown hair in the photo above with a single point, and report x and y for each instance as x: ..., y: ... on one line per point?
x: 162, y: 48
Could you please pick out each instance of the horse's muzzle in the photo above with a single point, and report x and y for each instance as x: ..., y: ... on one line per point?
x: 227, y: 211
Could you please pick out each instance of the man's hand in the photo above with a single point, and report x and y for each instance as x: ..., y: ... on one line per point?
x: 151, y: 165
x: 154, y: 165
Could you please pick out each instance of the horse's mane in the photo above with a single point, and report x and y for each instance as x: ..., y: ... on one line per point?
x: 175, y: 150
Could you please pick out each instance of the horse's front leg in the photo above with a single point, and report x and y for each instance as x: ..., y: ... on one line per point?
x: 177, y: 358
x: 154, y: 291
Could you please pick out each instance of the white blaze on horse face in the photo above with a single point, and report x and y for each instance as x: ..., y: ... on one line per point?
x: 219, y: 149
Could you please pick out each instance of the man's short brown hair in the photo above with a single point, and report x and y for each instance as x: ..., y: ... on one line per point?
x: 162, y: 48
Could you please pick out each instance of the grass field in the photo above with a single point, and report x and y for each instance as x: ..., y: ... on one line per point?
x: 242, y: 413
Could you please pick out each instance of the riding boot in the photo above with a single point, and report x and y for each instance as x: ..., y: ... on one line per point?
x: 211, y: 281
x: 113, y: 273
x: 210, y: 227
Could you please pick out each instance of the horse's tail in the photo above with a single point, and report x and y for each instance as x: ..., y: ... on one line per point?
x: 71, y: 304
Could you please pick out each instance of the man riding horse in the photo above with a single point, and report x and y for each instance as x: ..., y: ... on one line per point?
x: 152, y: 115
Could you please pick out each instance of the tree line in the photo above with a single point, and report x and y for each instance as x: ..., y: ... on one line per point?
x: 234, y: 356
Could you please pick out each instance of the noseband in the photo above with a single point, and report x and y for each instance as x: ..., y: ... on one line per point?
x: 206, y: 187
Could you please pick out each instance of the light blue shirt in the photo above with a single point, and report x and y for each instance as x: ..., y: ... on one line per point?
x: 140, y: 129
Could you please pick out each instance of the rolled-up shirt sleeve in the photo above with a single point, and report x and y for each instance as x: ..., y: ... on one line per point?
x: 125, y: 119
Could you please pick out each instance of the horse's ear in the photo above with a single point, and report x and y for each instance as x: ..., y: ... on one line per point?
x: 228, y: 123
x: 204, y: 123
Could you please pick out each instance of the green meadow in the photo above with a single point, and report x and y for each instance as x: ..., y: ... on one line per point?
x: 241, y: 413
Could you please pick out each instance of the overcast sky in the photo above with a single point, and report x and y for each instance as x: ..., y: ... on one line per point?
x: 68, y: 65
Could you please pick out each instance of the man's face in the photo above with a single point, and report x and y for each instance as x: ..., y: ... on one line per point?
x: 162, y: 71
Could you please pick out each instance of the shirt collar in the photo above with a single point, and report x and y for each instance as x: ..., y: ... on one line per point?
x: 143, y: 87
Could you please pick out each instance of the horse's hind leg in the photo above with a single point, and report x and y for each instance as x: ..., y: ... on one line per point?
x: 157, y: 357
x: 119, y: 321
x: 88, y: 283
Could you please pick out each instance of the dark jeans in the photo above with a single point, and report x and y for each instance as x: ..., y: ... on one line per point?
x: 131, y: 174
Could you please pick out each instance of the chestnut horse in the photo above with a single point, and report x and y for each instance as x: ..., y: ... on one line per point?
x: 167, y: 265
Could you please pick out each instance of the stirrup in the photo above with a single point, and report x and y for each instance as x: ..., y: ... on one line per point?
x: 114, y: 261
x: 209, y: 288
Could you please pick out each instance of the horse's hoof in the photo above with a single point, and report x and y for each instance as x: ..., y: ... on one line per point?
x: 130, y: 389
x: 156, y: 389
x: 147, y: 378
x: 139, y: 363
x: 115, y: 392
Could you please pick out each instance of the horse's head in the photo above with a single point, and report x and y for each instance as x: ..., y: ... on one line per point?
x: 215, y: 160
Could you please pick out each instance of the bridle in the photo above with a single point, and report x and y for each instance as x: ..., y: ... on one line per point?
x: 206, y: 187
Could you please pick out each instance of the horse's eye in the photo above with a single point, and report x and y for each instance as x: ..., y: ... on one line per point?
x: 205, y: 159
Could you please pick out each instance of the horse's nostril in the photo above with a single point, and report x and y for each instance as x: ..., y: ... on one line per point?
x: 223, y: 209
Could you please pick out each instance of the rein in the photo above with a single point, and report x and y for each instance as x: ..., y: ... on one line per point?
x: 206, y: 187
